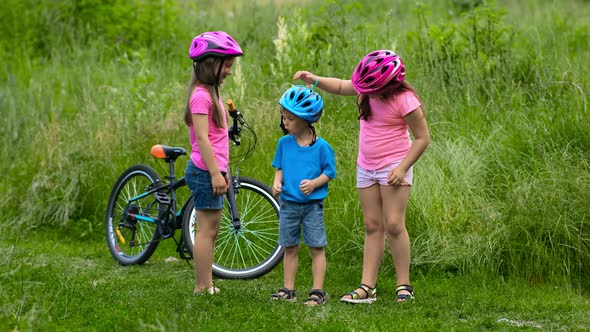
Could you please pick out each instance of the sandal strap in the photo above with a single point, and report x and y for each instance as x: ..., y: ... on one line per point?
x: 319, y: 298
x: 369, y: 292
x: 404, y: 297
x: 366, y: 288
x: 318, y: 293
x: 287, y: 293
x: 405, y: 287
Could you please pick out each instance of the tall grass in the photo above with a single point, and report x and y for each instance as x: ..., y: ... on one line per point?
x: 502, y: 189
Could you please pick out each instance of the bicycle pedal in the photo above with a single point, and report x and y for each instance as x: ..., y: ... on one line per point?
x: 128, y: 224
x: 183, y: 250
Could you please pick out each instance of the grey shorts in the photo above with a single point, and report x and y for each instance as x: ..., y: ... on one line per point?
x: 310, y: 217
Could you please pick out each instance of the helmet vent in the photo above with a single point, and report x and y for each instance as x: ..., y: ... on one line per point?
x: 303, y: 102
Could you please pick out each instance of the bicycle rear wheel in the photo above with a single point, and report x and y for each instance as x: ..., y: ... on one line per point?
x: 253, y: 250
x: 131, y: 240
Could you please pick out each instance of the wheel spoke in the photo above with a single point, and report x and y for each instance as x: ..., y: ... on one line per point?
x: 252, y: 250
x: 130, y: 184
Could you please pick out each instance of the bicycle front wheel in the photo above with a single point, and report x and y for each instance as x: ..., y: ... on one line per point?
x: 133, y: 240
x: 253, y: 250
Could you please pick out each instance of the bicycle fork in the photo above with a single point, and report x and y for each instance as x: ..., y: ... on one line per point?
x: 232, y: 191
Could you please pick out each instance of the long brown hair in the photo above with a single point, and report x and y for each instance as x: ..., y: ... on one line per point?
x: 363, y: 100
x: 204, y: 74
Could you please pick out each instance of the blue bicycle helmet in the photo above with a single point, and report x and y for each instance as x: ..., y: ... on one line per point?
x: 303, y: 102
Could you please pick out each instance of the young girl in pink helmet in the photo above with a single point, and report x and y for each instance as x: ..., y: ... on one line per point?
x: 389, y: 110
x: 213, y: 55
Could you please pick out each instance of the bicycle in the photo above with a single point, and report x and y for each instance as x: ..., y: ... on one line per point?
x: 142, y: 210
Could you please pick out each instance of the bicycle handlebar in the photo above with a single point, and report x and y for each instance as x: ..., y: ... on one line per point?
x: 170, y: 153
x: 235, y: 129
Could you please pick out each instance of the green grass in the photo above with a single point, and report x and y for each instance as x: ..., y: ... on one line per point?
x: 64, y: 282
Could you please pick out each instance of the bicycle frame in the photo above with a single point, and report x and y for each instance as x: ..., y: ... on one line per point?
x: 230, y: 195
x: 170, y: 202
x: 168, y: 198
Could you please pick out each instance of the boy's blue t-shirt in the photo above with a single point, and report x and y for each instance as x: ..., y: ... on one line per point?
x: 299, y: 163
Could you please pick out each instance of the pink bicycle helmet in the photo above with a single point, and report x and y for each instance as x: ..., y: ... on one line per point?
x: 376, y: 70
x: 217, y: 43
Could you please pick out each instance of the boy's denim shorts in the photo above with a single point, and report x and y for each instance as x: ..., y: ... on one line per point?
x: 310, y: 216
x: 199, y: 182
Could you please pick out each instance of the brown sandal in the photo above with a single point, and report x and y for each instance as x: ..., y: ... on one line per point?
x: 316, y: 297
x: 284, y: 294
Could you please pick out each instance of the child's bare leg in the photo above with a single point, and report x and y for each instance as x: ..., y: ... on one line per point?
x: 318, y: 267
x: 374, y: 247
x: 395, y: 228
x: 290, y: 263
x: 207, y: 228
x: 318, y: 270
x: 371, y: 204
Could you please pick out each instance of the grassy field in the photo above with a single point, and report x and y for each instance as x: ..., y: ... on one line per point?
x: 498, y: 216
x: 63, y: 283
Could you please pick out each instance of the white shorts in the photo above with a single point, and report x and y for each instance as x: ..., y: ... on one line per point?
x: 366, y: 178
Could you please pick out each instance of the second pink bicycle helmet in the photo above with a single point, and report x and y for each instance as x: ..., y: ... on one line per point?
x: 376, y: 70
x: 216, y: 43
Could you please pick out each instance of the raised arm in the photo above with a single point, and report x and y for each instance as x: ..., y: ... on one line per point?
x: 329, y: 84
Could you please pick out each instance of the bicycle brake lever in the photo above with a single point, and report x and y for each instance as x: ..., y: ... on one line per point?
x: 234, y: 113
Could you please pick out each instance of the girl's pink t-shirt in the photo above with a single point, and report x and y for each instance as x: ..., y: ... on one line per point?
x: 384, y: 137
x: 201, y: 103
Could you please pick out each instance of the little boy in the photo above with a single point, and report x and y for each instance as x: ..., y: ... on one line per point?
x: 304, y: 164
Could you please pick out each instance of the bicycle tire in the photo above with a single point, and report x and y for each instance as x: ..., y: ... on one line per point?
x: 254, y: 250
x: 131, y: 183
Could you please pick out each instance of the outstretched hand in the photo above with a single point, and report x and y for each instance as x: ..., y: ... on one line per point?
x: 305, y: 76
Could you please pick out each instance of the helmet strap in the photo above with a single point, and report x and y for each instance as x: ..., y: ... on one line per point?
x: 217, y: 76
x: 314, y: 134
